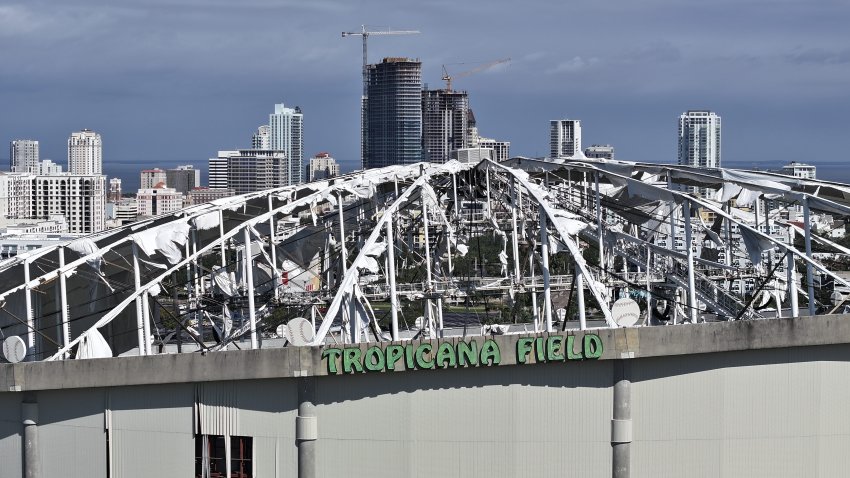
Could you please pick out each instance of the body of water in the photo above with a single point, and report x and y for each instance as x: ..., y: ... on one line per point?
x: 128, y: 170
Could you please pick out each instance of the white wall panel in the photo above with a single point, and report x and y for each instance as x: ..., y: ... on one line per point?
x: 72, y: 433
x: 539, y: 420
x: 777, y: 413
x: 153, y: 431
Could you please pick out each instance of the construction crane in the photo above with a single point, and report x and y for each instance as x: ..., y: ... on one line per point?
x: 366, y: 34
x: 448, y: 78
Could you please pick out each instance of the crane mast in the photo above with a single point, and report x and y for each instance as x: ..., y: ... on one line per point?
x: 365, y: 34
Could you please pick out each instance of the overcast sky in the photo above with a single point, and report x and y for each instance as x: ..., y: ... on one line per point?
x: 168, y: 81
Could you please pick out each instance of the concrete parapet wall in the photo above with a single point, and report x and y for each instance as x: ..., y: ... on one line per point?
x: 308, y: 361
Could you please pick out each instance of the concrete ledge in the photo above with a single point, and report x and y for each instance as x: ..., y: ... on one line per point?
x: 633, y: 343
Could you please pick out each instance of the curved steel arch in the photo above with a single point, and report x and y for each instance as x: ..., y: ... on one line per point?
x: 61, y: 305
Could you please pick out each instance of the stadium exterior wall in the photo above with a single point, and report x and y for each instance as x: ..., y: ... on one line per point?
x: 758, y: 398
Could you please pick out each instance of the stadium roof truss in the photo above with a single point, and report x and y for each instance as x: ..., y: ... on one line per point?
x: 333, y: 250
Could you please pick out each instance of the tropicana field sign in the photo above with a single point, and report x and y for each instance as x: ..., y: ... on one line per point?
x: 462, y: 353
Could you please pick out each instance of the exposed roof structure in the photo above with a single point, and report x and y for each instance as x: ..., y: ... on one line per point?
x: 215, y: 274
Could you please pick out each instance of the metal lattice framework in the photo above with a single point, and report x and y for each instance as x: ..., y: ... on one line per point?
x: 384, y: 254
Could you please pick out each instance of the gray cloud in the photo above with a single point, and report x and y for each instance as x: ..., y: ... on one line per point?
x: 177, y: 80
x: 819, y: 56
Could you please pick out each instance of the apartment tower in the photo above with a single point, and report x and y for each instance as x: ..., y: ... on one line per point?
x: 393, y: 113
x: 85, y: 153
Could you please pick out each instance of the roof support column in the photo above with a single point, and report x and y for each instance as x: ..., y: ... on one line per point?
x: 487, y: 173
x: 391, y: 279
x: 692, y: 293
x: 137, y: 281
x: 792, y: 278
x: 343, y: 251
x: 221, y: 240
x: 535, y: 314
x: 807, y: 220
x: 582, y: 317
x: 272, y: 239
x: 599, y: 226
x: 429, y: 285
x: 515, y: 235
x: 249, y: 272
x: 63, y: 301
x: 544, y: 254
x: 30, y: 319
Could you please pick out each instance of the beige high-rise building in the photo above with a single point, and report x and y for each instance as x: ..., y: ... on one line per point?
x: 114, y: 190
x: 322, y: 166
x: 149, y: 178
x: 158, y: 200
x: 85, y: 153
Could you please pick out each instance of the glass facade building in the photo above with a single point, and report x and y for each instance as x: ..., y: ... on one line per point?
x: 393, y: 127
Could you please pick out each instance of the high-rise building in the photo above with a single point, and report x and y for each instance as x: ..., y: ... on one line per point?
x: 85, y: 153
x: 47, y: 167
x: 183, y: 178
x: 16, y: 195
x: 501, y: 149
x: 699, y: 139
x: 262, y: 138
x: 599, y: 151
x: 322, y: 166
x: 149, y: 178
x: 158, y: 200
x: 393, y: 113
x: 249, y: 170
x: 81, y: 199
x: 445, y: 123
x: 114, y: 190
x: 217, y: 169
x: 23, y: 156
x: 564, y: 138
x: 699, y: 143
x: 286, y: 134
x: 471, y: 130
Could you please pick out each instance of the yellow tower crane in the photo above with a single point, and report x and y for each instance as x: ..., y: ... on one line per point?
x: 448, y: 78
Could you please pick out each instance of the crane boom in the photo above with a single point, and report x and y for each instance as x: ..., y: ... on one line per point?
x: 448, y: 78
x: 365, y: 34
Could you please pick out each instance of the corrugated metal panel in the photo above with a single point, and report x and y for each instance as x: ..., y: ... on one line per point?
x: 267, y: 410
x: 152, y: 431
x: 266, y: 460
x: 71, y: 433
x: 539, y: 420
x: 142, y: 454
x: 218, y: 410
x: 776, y: 413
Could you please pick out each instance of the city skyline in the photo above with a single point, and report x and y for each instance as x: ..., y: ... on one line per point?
x: 169, y: 83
